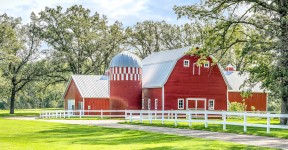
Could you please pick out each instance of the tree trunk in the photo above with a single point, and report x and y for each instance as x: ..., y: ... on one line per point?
x: 12, y: 100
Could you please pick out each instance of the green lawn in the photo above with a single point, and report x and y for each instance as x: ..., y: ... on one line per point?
x: 20, y: 134
x: 279, y: 133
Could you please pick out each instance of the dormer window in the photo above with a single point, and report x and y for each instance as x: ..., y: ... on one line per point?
x: 186, y: 63
x: 207, y: 64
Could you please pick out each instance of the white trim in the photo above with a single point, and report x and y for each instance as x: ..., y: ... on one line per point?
x: 116, y: 70
x: 188, y: 63
x: 251, y: 91
x: 83, y: 99
x: 122, y: 77
x: 124, y: 69
x: 131, y: 77
x: 127, y: 77
x: 163, y: 98
x: 196, y: 102
x: 211, y: 100
x: 120, y: 70
x: 128, y: 69
x: 181, y: 99
x: 227, y: 99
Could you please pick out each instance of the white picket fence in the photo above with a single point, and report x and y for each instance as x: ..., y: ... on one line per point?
x: 205, y: 117
x: 176, y: 116
x: 83, y: 113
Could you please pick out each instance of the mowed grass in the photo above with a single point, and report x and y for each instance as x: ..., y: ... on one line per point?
x: 22, y: 134
x: 279, y: 133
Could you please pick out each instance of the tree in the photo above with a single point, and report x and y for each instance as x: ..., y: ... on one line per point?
x: 149, y: 36
x: 79, y: 42
x: 268, y: 21
x: 20, y: 63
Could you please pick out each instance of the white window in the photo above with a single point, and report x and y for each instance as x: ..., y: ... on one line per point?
x: 118, y: 78
x: 133, y: 70
x: 135, y: 77
x: 186, y: 63
x: 116, y: 70
x: 120, y: 70
x: 112, y: 70
x: 143, y: 103
x: 206, y: 65
x: 114, y: 75
x: 136, y: 70
x: 138, y: 77
x: 156, y: 104
x: 211, y: 103
x: 149, y: 104
x: 128, y: 69
x: 124, y: 70
x: 122, y: 77
x: 180, y: 103
x: 131, y: 77
x: 127, y: 77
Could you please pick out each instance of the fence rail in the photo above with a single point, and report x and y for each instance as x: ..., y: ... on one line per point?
x: 176, y: 116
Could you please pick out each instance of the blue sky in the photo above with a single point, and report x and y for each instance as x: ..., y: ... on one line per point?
x: 129, y: 12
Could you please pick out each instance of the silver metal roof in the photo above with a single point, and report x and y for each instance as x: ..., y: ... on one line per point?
x: 158, y: 66
x: 91, y: 86
x: 235, y: 80
x: 126, y: 59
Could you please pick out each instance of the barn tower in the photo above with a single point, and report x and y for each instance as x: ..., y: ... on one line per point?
x: 125, y: 77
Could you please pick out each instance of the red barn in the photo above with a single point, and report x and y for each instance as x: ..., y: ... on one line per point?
x: 87, y: 92
x: 174, y: 80
x: 169, y: 80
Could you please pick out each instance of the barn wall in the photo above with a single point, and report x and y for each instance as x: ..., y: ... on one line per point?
x: 152, y: 94
x: 258, y: 100
x: 183, y: 84
x: 72, y: 93
x: 97, y: 103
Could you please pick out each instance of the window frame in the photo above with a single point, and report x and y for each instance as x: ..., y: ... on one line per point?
x: 149, y: 104
x: 179, y: 100
x: 156, y: 104
x: 143, y: 103
x: 213, y: 102
x: 188, y: 63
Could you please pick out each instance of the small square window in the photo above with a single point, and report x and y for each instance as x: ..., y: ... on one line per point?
x: 186, y: 63
x: 206, y: 65
x: 180, y: 103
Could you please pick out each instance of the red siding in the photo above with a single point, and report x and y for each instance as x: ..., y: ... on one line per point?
x: 152, y: 94
x: 258, y: 100
x: 183, y: 84
x: 125, y: 95
x: 97, y: 103
x: 72, y: 93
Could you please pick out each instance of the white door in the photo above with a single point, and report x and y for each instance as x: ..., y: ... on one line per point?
x: 71, y: 104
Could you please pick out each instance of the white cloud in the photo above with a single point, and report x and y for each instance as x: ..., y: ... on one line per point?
x: 126, y: 11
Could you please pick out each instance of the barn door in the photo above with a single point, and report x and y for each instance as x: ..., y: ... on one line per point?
x: 196, y: 69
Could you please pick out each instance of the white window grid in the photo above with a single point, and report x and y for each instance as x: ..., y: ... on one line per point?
x: 186, y: 63
x: 180, y: 103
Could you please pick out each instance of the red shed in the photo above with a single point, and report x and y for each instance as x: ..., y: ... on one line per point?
x: 90, y: 91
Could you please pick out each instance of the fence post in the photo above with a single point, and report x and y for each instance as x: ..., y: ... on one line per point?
x: 101, y: 114
x: 150, y: 117
x: 175, y: 120
x: 224, y: 119
x: 69, y: 113
x: 245, y: 122
x: 80, y: 114
x: 190, y: 118
x: 206, y: 119
x: 130, y: 117
x: 141, y: 116
x: 162, y: 117
x: 125, y: 114
x: 268, y: 122
x: 64, y: 113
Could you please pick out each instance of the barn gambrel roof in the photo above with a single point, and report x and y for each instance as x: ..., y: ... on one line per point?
x: 91, y: 86
x: 158, y: 66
